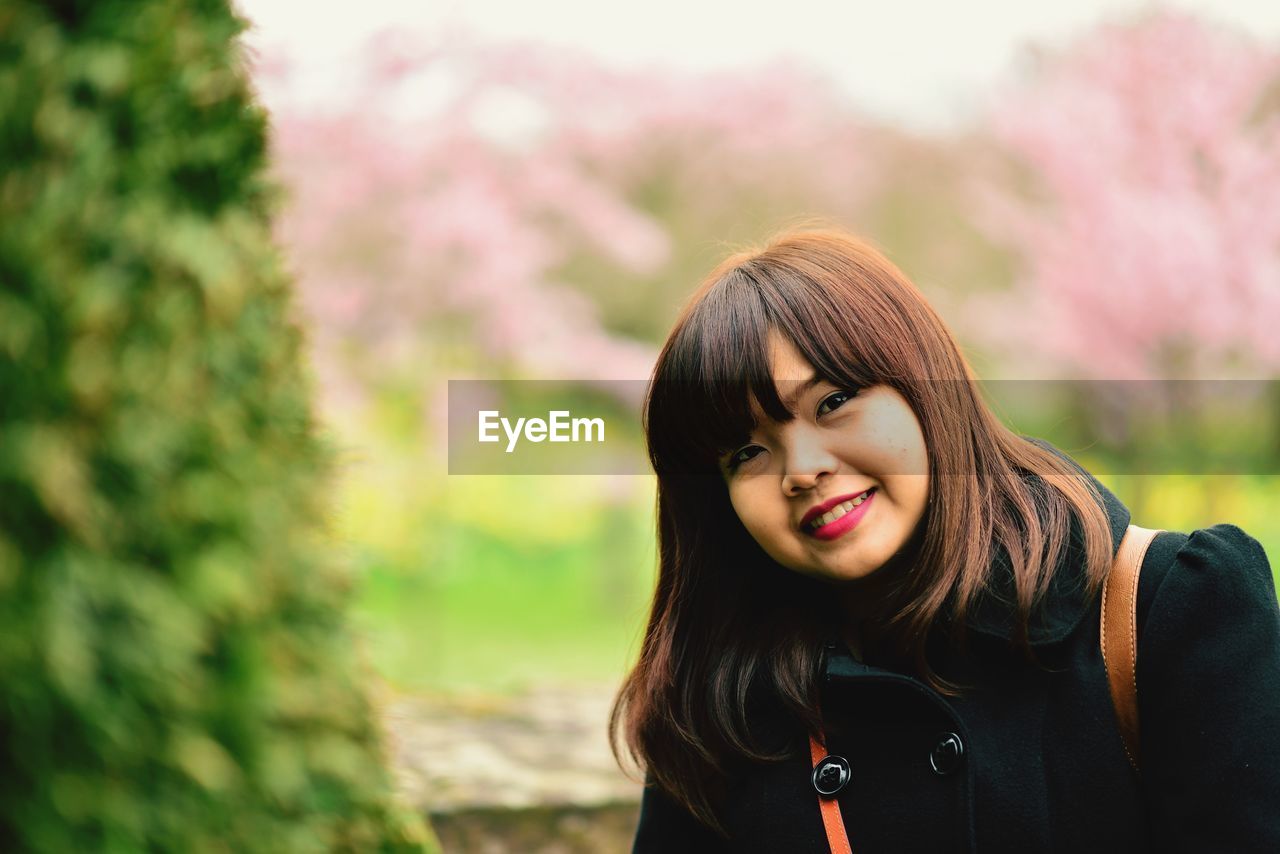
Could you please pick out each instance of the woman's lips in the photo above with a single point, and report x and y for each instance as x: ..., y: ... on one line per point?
x: 847, y: 515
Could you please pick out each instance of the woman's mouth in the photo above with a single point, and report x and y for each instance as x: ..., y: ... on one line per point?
x: 841, y: 518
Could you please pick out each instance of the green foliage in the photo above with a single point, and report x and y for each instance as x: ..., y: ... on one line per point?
x: 460, y: 599
x: 177, y: 669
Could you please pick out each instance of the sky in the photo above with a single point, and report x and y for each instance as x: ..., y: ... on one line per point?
x: 920, y: 65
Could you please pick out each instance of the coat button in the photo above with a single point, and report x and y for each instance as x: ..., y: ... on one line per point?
x: 831, y: 775
x: 947, y: 754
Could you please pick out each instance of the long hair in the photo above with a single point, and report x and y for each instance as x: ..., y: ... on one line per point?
x: 730, y: 631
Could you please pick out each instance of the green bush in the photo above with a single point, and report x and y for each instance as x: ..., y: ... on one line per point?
x: 177, y: 669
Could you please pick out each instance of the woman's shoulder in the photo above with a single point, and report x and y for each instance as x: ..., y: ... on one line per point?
x: 1215, y: 572
x: 1209, y: 691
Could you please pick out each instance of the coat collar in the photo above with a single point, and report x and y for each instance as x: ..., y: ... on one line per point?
x: 994, y: 612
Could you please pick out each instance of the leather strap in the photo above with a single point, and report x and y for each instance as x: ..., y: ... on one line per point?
x: 1119, y: 633
x: 837, y: 838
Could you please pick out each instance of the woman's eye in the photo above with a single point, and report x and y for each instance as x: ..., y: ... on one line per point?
x: 740, y: 456
x: 834, y: 401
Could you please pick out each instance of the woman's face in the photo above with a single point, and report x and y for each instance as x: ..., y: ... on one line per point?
x: 839, y: 490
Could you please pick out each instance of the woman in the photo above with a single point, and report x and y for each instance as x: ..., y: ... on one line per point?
x: 854, y: 553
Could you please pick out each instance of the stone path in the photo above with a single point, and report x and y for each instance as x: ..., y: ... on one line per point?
x: 529, y: 773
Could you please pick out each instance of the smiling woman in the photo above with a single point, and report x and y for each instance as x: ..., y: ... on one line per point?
x: 854, y: 553
x: 804, y: 487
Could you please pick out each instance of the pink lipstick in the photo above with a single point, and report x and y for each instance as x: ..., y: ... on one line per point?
x: 833, y: 518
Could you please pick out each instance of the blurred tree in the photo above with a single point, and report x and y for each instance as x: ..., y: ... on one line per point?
x: 523, y: 210
x: 1148, y: 228
x: 177, y: 670
x: 1151, y: 248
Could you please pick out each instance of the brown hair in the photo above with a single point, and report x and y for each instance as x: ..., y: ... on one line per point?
x: 730, y: 631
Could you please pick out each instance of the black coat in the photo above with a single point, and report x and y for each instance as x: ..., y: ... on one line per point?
x: 1041, y: 766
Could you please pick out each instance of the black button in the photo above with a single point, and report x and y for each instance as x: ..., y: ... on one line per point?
x: 947, y: 753
x: 831, y: 775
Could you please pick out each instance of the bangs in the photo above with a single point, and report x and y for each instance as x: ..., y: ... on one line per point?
x: 712, y: 380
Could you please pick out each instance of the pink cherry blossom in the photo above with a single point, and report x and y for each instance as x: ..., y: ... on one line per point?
x: 1155, y: 250
x: 432, y: 208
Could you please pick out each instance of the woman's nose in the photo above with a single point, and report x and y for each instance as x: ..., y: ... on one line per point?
x: 808, y: 459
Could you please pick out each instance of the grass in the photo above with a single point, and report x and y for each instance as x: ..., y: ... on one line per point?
x: 459, y: 596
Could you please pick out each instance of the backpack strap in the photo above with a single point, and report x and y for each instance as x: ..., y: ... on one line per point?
x: 1119, y: 633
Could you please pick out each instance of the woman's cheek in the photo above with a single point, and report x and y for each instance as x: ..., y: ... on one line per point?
x: 762, y: 527
x: 740, y: 498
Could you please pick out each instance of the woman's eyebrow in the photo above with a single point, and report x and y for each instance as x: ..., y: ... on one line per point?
x: 789, y: 401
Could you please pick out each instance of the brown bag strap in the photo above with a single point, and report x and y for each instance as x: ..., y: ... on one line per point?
x: 1119, y: 633
x: 837, y: 838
